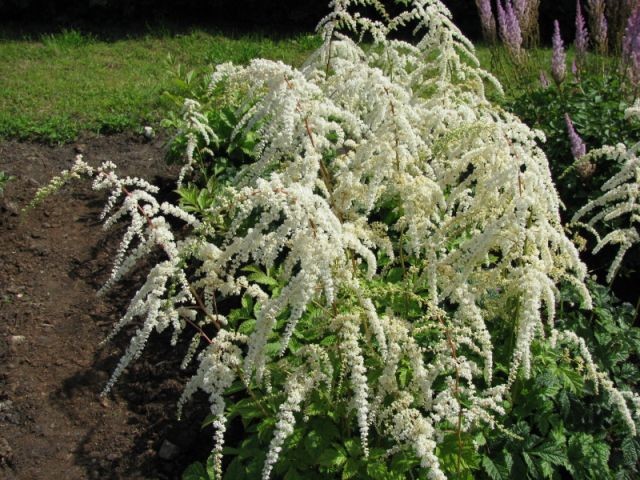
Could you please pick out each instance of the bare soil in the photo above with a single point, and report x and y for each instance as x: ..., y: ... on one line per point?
x: 53, y: 422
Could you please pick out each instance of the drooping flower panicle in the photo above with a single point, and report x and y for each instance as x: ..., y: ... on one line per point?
x: 619, y: 202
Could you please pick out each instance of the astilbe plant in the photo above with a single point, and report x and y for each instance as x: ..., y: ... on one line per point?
x: 581, y: 41
x: 599, y: 25
x: 631, y: 48
x: 527, y: 12
x: 559, y: 58
x: 510, y: 30
x: 487, y: 21
x: 618, y: 13
x: 366, y: 162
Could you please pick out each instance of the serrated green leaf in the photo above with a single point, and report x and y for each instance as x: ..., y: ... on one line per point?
x: 377, y: 471
x: 531, y: 465
x: 247, y: 327
x: 491, y: 468
x: 551, y: 452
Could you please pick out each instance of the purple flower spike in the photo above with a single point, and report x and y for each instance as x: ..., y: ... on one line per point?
x: 578, y: 147
x: 520, y: 8
x: 510, y: 27
x: 487, y: 20
x: 631, y: 47
x: 582, y: 35
x: 598, y: 24
x: 559, y: 59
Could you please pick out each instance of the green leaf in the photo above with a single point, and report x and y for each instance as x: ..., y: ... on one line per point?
x: 247, y: 327
x: 353, y: 447
x: 377, y: 470
x: 208, y: 420
x: 195, y: 471
x: 629, y: 450
x: 263, y: 279
x: 235, y: 471
x: 247, y: 302
x: 332, y: 457
x: 531, y: 465
x: 491, y: 468
x: 314, y: 443
x: 326, y: 428
x: 552, y: 453
x: 350, y: 469
x: 403, y: 462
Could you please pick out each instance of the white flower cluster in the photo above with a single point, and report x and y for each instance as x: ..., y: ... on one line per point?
x: 219, y: 366
x: 315, y: 370
x: 618, y: 398
x: 391, y: 154
x: 78, y: 169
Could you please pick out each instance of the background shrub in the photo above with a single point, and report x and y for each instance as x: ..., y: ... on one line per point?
x: 597, y: 107
x: 289, y: 14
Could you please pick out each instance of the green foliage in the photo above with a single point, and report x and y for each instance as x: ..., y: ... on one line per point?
x: 557, y: 424
x: 66, y: 40
x: 597, y: 107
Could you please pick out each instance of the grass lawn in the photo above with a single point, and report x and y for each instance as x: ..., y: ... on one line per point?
x: 58, y: 85
x: 55, y: 86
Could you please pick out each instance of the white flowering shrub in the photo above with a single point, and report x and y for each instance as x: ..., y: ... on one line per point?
x: 387, y: 228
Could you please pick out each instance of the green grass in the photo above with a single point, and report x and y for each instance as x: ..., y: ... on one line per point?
x: 59, y: 85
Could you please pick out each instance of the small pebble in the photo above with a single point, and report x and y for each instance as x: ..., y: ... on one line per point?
x: 17, y: 339
x: 168, y: 451
x: 148, y: 133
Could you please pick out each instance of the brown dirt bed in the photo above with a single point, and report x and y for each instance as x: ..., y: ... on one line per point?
x: 53, y: 423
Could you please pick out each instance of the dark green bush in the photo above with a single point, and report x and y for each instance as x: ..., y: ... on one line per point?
x: 596, y: 105
x: 566, y: 429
